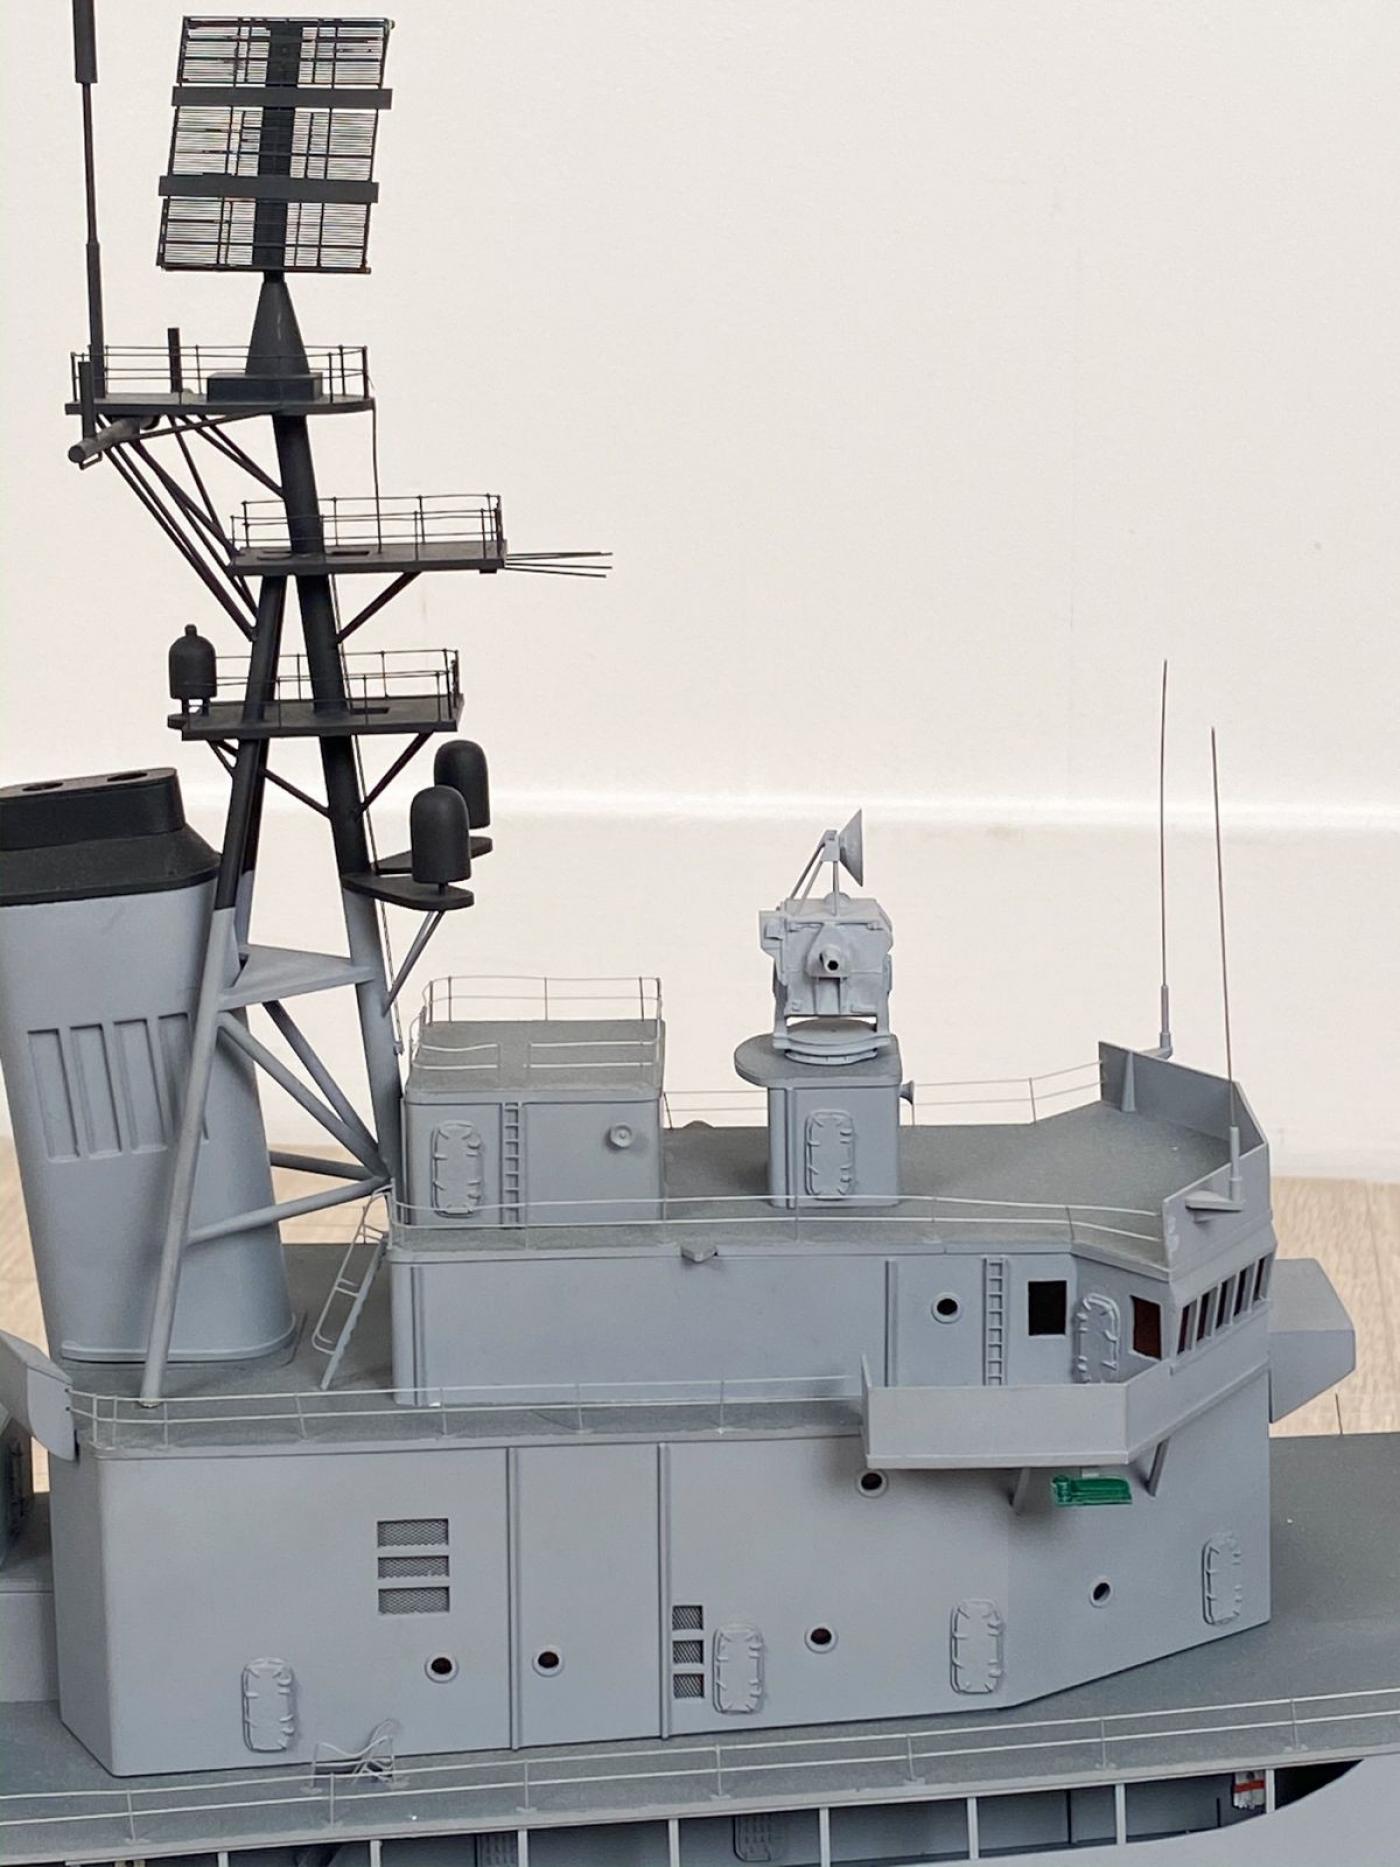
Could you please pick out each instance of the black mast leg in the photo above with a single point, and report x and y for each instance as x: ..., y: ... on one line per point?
x: 344, y: 799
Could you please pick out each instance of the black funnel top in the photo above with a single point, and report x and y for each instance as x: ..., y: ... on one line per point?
x: 116, y: 833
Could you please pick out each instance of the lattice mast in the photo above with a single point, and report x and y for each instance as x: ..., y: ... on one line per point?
x: 271, y: 172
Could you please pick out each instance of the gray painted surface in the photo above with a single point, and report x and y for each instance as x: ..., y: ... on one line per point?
x: 1312, y: 1344
x: 28, y: 1664
x: 96, y: 999
x: 1322, y: 1680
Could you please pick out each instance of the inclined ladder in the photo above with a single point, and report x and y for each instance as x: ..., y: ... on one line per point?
x: 347, y: 1296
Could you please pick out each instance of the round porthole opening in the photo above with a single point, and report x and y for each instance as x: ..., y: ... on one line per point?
x: 548, y: 1661
x: 871, y: 1484
x: 820, y: 1639
x: 946, y: 1308
x: 441, y: 1667
x: 1101, y: 1593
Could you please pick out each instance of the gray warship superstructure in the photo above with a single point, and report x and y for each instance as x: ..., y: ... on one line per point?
x: 849, y: 1484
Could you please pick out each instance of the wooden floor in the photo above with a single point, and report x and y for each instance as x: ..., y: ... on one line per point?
x: 1351, y: 1226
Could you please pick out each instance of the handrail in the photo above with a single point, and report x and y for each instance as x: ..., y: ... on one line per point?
x: 134, y: 370
x: 695, y: 1770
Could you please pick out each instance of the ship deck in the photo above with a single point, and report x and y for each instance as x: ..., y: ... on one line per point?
x: 1092, y: 1177
x: 1011, y: 1186
x: 1320, y: 1682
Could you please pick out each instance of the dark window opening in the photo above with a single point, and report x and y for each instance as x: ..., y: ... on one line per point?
x: 1183, y: 1340
x: 1047, y: 1306
x: 1242, y: 1291
x: 1147, y: 1329
x: 1203, y: 1321
x: 1261, y: 1280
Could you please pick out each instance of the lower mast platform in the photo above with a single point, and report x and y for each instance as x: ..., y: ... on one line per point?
x: 1318, y: 1685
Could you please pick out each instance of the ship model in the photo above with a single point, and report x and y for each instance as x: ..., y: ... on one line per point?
x: 847, y: 1486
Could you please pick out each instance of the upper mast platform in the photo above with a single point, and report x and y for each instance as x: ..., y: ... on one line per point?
x: 194, y: 380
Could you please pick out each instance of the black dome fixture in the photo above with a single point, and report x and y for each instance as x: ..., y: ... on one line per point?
x: 461, y: 763
x: 439, y: 835
x: 194, y: 669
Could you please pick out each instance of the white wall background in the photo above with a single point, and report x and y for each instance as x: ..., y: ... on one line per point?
x: 933, y: 371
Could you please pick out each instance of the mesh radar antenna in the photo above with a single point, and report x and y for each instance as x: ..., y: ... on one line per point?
x: 271, y: 172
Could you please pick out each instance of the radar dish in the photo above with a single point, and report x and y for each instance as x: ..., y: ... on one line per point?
x: 850, y: 847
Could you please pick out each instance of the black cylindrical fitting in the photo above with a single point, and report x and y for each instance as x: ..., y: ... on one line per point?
x: 461, y: 763
x: 194, y: 667
x: 439, y: 835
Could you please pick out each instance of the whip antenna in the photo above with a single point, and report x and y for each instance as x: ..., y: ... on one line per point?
x: 1224, y: 969
x: 1164, y: 1035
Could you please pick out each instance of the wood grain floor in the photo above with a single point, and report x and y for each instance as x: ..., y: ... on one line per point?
x: 1351, y: 1226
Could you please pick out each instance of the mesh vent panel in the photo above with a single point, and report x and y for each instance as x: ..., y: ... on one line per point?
x: 412, y: 1565
x: 413, y: 1601
x: 688, y: 1685
x: 684, y: 1619
x: 688, y: 1652
x: 398, y: 1532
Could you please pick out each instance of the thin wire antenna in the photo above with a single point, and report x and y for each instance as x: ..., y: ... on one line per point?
x: 1164, y: 1035
x: 1224, y: 969
x: 85, y: 72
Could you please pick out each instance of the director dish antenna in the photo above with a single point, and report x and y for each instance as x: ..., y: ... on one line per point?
x: 842, y: 849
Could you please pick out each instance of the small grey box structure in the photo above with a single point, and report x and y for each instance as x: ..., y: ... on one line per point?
x: 833, y: 1131
x: 550, y: 1119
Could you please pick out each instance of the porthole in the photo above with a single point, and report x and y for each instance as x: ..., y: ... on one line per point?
x: 548, y: 1661
x: 441, y: 1667
x: 946, y: 1308
x: 820, y: 1639
x: 1101, y: 1593
x: 872, y: 1484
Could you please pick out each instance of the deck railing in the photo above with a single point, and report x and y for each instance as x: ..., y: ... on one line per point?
x: 406, y: 524
x: 181, y: 371
x: 444, y: 1034
x: 949, y: 1759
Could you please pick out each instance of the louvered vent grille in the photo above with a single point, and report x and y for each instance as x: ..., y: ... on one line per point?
x: 402, y: 1578
x: 687, y: 1650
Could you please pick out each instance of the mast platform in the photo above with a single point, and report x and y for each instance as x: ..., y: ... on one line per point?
x: 176, y: 378
x: 414, y: 691
x: 419, y: 532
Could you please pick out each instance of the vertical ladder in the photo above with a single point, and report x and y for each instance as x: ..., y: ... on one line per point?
x: 512, y: 1164
x: 994, y: 1271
